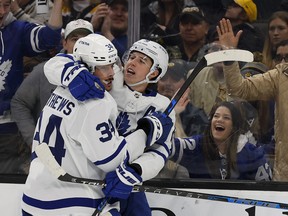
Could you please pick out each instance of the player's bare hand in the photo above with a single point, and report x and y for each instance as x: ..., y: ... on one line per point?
x: 226, y: 35
x: 106, y: 27
x: 101, y: 12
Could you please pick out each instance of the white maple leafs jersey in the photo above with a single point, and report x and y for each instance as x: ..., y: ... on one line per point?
x: 83, y: 139
x: 132, y: 106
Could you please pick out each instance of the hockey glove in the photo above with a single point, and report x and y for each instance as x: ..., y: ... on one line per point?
x: 86, y: 86
x: 119, y: 183
x: 156, y: 126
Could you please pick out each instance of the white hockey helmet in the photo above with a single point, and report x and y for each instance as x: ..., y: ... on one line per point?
x: 95, y: 50
x: 156, y: 52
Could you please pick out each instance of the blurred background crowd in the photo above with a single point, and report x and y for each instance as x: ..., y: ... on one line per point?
x: 185, y: 28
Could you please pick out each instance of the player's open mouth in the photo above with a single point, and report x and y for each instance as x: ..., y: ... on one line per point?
x: 130, y: 71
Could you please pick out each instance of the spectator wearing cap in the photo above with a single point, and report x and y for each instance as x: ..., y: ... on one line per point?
x: 252, y: 68
x: 209, y: 86
x: 111, y: 20
x: 242, y: 13
x: 35, y: 90
x: 193, y: 29
x: 189, y: 119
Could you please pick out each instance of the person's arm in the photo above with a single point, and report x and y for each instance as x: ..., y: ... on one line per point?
x: 262, y: 86
x: 24, y: 104
x: 99, y: 16
x: 119, y: 183
x: 63, y: 70
x: 153, y: 160
x: 55, y: 20
x: 120, y: 42
x: 106, y: 28
x: 55, y: 69
x: 32, y: 15
x: 39, y: 38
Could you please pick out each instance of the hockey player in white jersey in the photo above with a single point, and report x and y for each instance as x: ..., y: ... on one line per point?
x: 145, y: 63
x: 83, y: 138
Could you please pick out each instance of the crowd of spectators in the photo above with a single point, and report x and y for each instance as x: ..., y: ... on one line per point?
x: 188, y: 30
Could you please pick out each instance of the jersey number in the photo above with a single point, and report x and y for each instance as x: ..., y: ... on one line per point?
x: 54, y: 123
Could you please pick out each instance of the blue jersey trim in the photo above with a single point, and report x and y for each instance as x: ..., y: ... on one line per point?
x: 158, y: 153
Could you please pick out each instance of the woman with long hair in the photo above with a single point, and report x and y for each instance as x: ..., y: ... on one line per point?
x: 223, y: 152
x: 277, y: 32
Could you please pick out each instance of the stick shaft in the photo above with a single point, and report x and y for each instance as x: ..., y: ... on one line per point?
x: 44, y: 154
x: 209, y: 59
x: 201, y: 64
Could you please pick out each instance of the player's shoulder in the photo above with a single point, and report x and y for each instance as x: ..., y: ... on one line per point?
x: 161, y: 99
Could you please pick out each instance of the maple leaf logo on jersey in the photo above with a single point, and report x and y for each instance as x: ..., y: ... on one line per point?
x: 122, y: 123
x: 5, y: 67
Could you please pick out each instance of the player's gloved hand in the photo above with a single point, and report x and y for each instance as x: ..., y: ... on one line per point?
x: 119, y: 183
x: 156, y: 126
x: 86, y: 86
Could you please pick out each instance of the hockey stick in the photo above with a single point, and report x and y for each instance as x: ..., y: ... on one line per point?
x: 220, y: 56
x: 44, y: 154
x: 209, y: 59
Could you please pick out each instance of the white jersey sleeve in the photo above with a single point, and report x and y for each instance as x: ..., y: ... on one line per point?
x: 61, y: 69
x: 132, y: 106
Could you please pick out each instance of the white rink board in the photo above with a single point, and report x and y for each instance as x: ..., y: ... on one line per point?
x: 184, y: 206
x: 177, y: 206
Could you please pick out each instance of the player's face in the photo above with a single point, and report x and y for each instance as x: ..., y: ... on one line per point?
x: 221, y: 125
x: 106, y: 75
x: 137, y: 67
x: 4, y: 10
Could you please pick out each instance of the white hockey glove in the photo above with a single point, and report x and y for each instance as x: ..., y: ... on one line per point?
x: 119, y: 183
x: 157, y: 128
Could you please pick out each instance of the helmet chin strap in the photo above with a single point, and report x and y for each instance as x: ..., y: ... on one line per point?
x: 138, y: 83
x: 146, y: 80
